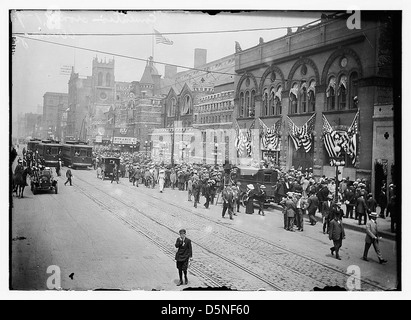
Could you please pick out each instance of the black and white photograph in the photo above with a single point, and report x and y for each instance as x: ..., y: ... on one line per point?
x: 189, y: 150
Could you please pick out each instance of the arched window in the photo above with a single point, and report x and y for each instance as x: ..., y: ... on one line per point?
x: 353, y: 88
x: 294, y: 99
x: 303, y: 98
x: 187, y: 107
x: 342, y: 93
x: 252, y: 104
x: 108, y: 80
x: 247, y: 104
x: 272, y: 102
x: 311, y: 96
x: 265, y: 102
x: 278, y: 106
x: 241, y: 104
x: 330, y: 93
x: 173, y: 107
x: 100, y: 79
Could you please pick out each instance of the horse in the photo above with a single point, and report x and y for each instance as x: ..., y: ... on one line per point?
x: 20, y: 182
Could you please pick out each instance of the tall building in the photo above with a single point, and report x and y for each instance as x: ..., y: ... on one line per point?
x: 196, y: 114
x: 305, y: 87
x: 54, y: 104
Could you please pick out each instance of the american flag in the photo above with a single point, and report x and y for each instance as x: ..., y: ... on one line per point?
x: 271, y: 138
x: 351, y: 147
x: 346, y: 140
x: 302, y: 136
x: 243, y: 141
x: 161, y: 39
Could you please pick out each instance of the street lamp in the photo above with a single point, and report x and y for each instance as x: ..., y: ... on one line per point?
x: 215, y: 153
x: 337, y: 162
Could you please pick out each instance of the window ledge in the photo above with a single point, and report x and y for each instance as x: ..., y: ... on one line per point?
x: 271, y: 116
x: 301, y: 114
x: 340, y: 111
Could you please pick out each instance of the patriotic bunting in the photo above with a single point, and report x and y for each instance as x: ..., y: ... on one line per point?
x: 346, y: 140
x: 243, y: 141
x: 271, y: 136
x: 302, y: 136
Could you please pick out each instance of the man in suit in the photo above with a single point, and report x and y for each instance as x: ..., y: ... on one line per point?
x: 350, y: 202
x: 312, y: 206
x: 361, y: 208
x: 183, y: 255
x: 289, y: 211
x: 68, y: 176
x: 336, y: 234
x: 322, y: 195
x: 326, y: 213
x: 372, y: 238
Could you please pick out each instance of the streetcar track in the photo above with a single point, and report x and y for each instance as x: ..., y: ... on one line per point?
x: 297, y: 273
x: 368, y: 282
x: 168, y: 251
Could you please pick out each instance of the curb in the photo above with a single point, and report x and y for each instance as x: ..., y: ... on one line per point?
x: 349, y: 226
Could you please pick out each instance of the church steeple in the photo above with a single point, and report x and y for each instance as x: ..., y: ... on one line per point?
x: 150, y: 78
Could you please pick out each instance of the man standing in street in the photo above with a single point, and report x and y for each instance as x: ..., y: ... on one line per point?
x: 372, y: 238
x: 183, y: 255
x: 361, y: 208
x: 312, y: 206
x: 68, y: 176
x: 326, y: 213
x: 228, y: 202
x: 336, y: 234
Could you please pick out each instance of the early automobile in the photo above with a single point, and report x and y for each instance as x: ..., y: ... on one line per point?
x: 107, y: 166
x: 42, y: 179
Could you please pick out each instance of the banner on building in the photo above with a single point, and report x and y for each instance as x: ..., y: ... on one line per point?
x: 270, y: 137
x: 346, y: 140
x: 243, y: 141
x: 302, y: 137
x: 125, y: 140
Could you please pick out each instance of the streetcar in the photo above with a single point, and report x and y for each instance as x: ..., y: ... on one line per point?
x: 77, y: 154
x: 32, y: 145
x: 50, y: 152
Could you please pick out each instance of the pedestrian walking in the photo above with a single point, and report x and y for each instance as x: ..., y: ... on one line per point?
x: 173, y: 178
x: 326, y: 213
x: 361, y: 208
x: 261, y: 197
x: 336, y: 234
x: 312, y: 206
x: 207, y: 194
x: 299, y: 212
x: 196, y: 191
x: 382, y: 202
x: 114, y: 176
x: 372, y: 238
x: 69, y: 176
x: 190, y: 188
x: 161, y: 180
x: 183, y: 255
x: 228, y: 202
x: 249, y: 209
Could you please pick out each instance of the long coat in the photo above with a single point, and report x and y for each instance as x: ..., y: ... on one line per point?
x: 249, y: 209
x: 336, y: 230
x: 185, y: 250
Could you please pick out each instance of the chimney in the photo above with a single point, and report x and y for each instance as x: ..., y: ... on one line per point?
x: 170, y: 72
x: 200, y: 57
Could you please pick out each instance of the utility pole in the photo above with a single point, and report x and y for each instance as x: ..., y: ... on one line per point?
x: 114, y: 126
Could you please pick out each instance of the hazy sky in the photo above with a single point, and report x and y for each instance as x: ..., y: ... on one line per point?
x: 36, y: 66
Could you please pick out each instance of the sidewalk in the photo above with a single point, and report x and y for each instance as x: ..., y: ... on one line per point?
x: 384, y: 225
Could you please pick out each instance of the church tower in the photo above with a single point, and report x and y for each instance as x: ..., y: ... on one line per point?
x: 103, y: 82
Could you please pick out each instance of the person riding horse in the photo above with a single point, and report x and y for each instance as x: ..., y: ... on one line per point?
x: 19, y: 179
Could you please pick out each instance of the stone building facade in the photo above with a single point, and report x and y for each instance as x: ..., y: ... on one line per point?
x: 319, y: 69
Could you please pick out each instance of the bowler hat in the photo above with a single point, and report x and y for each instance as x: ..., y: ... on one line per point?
x: 373, y: 214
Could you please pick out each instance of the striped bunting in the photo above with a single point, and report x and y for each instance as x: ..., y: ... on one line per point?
x: 302, y: 136
x: 271, y: 136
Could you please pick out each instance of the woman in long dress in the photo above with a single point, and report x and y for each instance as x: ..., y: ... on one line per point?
x: 161, y: 179
x: 249, y: 209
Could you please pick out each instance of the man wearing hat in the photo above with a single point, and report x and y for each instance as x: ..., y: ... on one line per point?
x: 183, y: 255
x: 336, y: 234
x: 289, y: 211
x: 361, y: 208
x: 261, y: 197
x: 372, y: 237
x: 326, y: 212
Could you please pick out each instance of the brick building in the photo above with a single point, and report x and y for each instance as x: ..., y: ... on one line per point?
x: 318, y: 70
x: 54, y: 104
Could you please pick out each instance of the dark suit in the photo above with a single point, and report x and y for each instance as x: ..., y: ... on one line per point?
x: 312, y: 206
x: 361, y: 209
x: 183, y: 254
x: 336, y: 234
x: 327, y: 214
